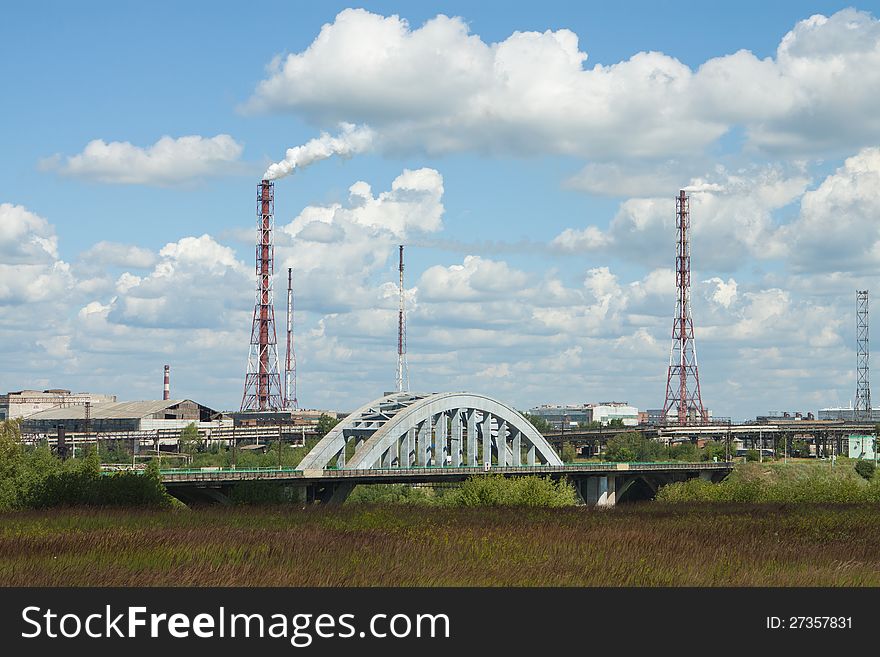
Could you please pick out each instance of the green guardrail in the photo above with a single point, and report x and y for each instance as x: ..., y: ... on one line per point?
x: 255, y: 470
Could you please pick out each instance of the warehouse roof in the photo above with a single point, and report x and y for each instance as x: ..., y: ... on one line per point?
x: 110, y: 410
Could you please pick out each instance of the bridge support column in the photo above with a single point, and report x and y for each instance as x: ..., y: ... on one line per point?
x: 517, y: 447
x: 486, y: 430
x: 422, y: 441
x: 501, y: 443
x: 440, y: 429
x: 472, y: 439
x: 409, y: 446
x: 601, y: 491
x: 456, y: 438
x: 531, y: 456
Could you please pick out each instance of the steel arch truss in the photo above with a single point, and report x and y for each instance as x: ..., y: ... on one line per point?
x: 409, y: 430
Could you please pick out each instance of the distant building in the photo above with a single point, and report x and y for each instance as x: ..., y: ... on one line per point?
x: 560, y: 415
x: 110, y: 417
x: 845, y: 413
x: 654, y: 416
x: 571, y: 415
x: 24, y: 403
x: 297, y: 417
x: 784, y: 416
x: 608, y: 411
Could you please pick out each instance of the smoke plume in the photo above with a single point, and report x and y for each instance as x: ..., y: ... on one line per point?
x: 353, y: 139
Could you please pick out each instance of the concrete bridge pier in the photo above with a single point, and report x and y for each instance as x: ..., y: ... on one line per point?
x: 598, y: 490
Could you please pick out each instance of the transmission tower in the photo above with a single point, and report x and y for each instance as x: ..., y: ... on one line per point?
x: 862, y: 410
x: 262, y: 383
x: 683, y: 403
x: 402, y: 367
x: 290, y: 401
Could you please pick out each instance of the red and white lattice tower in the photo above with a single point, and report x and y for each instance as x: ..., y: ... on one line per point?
x: 262, y: 383
x: 683, y: 404
x: 290, y: 401
x: 402, y: 367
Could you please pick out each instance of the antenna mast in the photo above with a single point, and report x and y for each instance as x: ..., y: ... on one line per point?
x: 863, y: 411
x: 683, y: 404
x: 402, y: 367
x: 290, y: 366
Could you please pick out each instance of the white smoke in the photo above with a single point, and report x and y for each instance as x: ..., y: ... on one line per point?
x: 351, y: 140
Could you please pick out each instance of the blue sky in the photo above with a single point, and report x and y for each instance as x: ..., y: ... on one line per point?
x: 538, y: 236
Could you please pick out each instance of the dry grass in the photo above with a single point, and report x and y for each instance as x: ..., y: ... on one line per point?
x: 632, y: 545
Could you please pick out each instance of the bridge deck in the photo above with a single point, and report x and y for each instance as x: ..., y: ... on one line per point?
x: 424, y: 474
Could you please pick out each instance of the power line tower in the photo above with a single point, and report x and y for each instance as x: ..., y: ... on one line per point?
x: 684, y: 404
x: 290, y: 401
x: 262, y: 382
x: 402, y: 367
x: 862, y: 412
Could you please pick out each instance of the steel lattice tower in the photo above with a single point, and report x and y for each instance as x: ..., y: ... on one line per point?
x: 290, y: 401
x: 862, y: 410
x: 262, y: 383
x: 684, y: 403
x: 402, y: 367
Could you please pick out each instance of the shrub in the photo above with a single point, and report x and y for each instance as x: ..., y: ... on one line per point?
x: 632, y: 446
x: 497, y: 490
x: 865, y: 469
x: 753, y: 455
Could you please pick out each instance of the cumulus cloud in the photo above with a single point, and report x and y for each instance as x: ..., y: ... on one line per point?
x: 732, y: 216
x: 30, y: 268
x: 337, y: 251
x: 440, y: 88
x: 167, y: 162
x: 118, y: 255
x: 837, y: 228
x: 196, y: 283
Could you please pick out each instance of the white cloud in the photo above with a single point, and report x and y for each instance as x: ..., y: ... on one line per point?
x: 30, y: 269
x: 197, y: 282
x: 168, y: 162
x: 118, y: 255
x: 338, y: 251
x: 838, y: 227
x: 439, y: 88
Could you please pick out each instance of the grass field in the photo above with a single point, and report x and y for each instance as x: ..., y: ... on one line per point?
x: 647, y: 544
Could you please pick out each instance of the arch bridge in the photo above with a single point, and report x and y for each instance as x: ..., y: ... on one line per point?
x: 409, y: 430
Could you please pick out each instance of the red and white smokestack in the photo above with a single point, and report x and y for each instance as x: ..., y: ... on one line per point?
x: 166, y: 390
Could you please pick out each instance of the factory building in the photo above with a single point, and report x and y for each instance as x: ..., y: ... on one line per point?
x: 24, y: 403
x: 109, y: 417
x: 571, y: 415
x: 845, y: 413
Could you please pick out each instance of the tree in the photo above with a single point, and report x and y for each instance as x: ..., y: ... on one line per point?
x: 616, y: 423
x: 189, y: 438
x: 632, y: 446
x: 714, y: 449
x: 800, y: 448
x: 326, y: 423
x: 569, y: 453
x: 542, y: 425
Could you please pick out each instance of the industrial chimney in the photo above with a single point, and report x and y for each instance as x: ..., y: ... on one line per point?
x: 166, y: 389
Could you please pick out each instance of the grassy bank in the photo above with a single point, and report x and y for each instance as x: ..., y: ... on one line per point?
x: 797, y: 482
x: 640, y: 544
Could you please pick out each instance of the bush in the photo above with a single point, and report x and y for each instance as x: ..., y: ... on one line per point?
x: 753, y: 455
x: 632, y: 446
x: 569, y: 453
x: 865, y: 469
x: 497, y: 490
